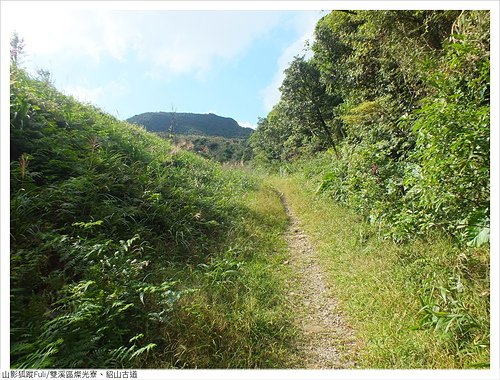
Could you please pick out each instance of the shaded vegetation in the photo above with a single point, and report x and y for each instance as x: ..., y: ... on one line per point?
x: 390, y: 117
x: 127, y: 253
x: 190, y: 124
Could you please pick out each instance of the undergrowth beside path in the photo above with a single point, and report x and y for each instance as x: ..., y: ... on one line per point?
x: 126, y: 253
x: 424, y: 304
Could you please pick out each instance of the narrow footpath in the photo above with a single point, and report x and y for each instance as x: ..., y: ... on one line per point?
x: 327, y: 341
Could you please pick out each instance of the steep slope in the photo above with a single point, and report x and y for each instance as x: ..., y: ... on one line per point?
x: 128, y: 253
x: 190, y: 124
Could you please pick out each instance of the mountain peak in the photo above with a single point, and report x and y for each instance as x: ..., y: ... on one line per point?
x: 181, y: 123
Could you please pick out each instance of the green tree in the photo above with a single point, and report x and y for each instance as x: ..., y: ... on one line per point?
x: 403, y: 99
x: 309, y: 103
x: 267, y: 140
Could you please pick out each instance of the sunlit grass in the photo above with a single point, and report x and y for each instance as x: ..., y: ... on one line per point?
x: 378, y: 284
x: 127, y: 253
x: 238, y: 317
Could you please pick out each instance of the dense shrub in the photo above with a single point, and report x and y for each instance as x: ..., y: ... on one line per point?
x: 402, y: 102
x: 117, y: 242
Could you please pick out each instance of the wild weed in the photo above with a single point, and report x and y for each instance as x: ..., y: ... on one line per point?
x: 126, y: 255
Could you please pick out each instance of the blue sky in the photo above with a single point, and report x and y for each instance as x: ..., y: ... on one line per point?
x: 132, y: 61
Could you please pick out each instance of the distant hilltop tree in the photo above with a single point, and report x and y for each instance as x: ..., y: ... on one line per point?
x: 191, y: 124
x: 16, y: 49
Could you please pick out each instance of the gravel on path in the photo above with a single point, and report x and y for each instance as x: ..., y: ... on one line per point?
x: 327, y: 341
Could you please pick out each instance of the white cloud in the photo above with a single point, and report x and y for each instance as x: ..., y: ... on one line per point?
x: 305, y: 25
x: 209, y: 38
x: 95, y: 94
x: 247, y: 124
x: 67, y: 34
x: 168, y: 42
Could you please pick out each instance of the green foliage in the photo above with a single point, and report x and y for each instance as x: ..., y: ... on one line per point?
x: 302, y: 120
x: 449, y: 181
x: 445, y: 312
x: 118, y: 239
x: 404, y: 96
x: 271, y: 144
x: 218, y: 148
x: 190, y: 124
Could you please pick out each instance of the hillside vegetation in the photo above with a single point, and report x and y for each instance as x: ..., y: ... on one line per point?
x: 128, y: 250
x: 397, y: 105
x: 219, y: 138
x: 126, y: 253
x: 390, y: 117
x: 190, y: 124
x: 220, y: 149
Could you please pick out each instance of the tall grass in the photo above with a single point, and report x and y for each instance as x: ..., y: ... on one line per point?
x: 423, y: 304
x: 126, y: 253
x: 238, y: 316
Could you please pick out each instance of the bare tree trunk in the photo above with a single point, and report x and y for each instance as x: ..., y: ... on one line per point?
x: 326, y: 130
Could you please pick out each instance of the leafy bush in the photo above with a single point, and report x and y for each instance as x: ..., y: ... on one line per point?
x: 408, y: 109
x: 115, y: 239
x: 449, y: 180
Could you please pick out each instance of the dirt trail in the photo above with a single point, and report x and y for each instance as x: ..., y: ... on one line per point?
x: 327, y: 341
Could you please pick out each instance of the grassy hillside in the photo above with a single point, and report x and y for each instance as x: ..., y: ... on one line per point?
x: 190, y: 124
x: 128, y: 250
x: 126, y: 253
x: 218, y: 148
x: 421, y: 304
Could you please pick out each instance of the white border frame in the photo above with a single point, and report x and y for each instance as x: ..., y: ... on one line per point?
x: 493, y: 373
